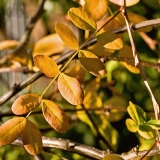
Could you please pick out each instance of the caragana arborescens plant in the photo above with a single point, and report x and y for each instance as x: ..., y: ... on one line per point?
x: 84, y: 95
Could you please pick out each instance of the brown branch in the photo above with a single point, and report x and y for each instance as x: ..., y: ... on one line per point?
x: 86, y: 150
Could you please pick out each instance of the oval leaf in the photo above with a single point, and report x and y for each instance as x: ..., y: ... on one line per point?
x: 109, y: 40
x: 137, y: 113
x: 7, y: 44
x: 11, y: 130
x: 48, y: 45
x: 155, y: 124
x: 128, y: 2
x: 131, y: 68
x: 112, y: 157
x: 146, y: 131
x: 46, y: 65
x: 70, y: 89
x: 32, y: 139
x: 67, y: 36
x: 82, y: 19
x: 96, y: 8
x: 131, y: 125
x: 91, y: 63
x: 26, y: 103
x: 55, y: 116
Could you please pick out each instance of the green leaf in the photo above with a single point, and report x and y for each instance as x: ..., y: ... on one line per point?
x: 32, y: 139
x: 46, y: 65
x: 96, y: 8
x: 131, y: 68
x: 70, y: 89
x: 137, y: 113
x: 131, y: 125
x: 11, y: 130
x: 146, y: 132
x: 155, y: 124
x: 67, y: 36
x: 91, y: 63
x: 55, y: 116
x: 48, y: 45
x: 109, y: 40
x: 8, y: 44
x: 112, y: 157
x: 82, y: 19
x: 128, y: 2
x: 26, y: 103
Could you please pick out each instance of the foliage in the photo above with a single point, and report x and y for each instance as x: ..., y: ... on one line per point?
x: 87, y: 82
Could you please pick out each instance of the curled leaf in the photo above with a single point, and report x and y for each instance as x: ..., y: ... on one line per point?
x: 55, y: 116
x: 67, y: 36
x: 26, y: 103
x: 11, y: 130
x: 46, y: 65
x: 91, y: 63
x: 32, y: 139
x: 96, y: 8
x: 82, y: 19
x: 70, y: 89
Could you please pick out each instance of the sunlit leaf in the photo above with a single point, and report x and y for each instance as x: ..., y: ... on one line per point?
x: 96, y: 8
x: 7, y: 44
x: 109, y: 40
x: 46, y: 65
x: 32, y: 139
x: 48, y: 45
x: 131, y: 68
x: 146, y: 131
x: 70, y: 89
x: 112, y: 157
x: 137, y: 113
x: 155, y: 124
x: 26, y: 103
x: 11, y: 130
x: 91, y: 63
x: 82, y: 19
x: 55, y: 116
x: 131, y: 125
x: 67, y: 36
x: 128, y: 2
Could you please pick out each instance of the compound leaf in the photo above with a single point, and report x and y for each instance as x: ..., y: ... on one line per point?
x: 26, y: 103
x: 11, y: 130
x: 32, y: 139
x: 55, y: 116
x: 70, y: 89
x: 67, y: 36
x: 46, y: 65
x: 82, y: 19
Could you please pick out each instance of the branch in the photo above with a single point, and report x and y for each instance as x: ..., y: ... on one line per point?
x: 85, y: 150
x: 63, y: 58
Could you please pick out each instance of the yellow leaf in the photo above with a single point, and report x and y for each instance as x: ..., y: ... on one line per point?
x: 112, y: 157
x: 91, y: 63
x: 48, y: 45
x: 55, y: 116
x: 11, y: 130
x: 70, y: 89
x: 131, y: 125
x: 96, y: 8
x: 128, y: 2
x: 82, y: 19
x: 7, y: 44
x: 26, y: 103
x: 131, y: 68
x: 67, y: 36
x: 46, y: 65
x: 109, y: 40
x: 32, y: 139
